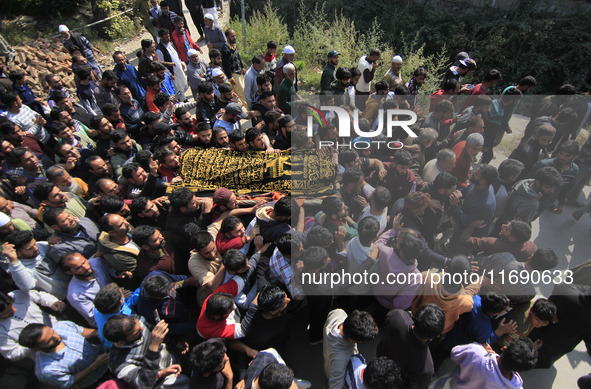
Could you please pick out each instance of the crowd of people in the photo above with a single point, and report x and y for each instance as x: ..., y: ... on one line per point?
x: 111, y: 278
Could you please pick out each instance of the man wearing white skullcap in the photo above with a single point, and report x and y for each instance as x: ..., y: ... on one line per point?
x: 288, y: 57
x: 214, y: 36
x: 209, y: 8
x: 392, y: 76
x: 196, y: 69
x: 70, y: 39
x: 8, y: 225
x: 219, y: 78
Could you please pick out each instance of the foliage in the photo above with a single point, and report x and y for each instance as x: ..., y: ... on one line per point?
x: 526, y: 40
x: 118, y: 27
x: 42, y: 7
x: 315, y: 34
x: 262, y: 27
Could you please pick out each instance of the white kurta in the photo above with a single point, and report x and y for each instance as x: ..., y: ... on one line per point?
x: 180, y: 78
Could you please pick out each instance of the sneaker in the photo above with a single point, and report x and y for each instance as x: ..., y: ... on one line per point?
x: 302, y: 384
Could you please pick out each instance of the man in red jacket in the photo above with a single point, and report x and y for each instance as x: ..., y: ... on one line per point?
x: 181, y: 38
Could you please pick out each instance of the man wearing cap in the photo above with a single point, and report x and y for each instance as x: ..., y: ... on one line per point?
x: 209, y: 8
x: 392, y: 76
x: 288, y: 57
x: 196, y: 69
x: 70, y: 39
x: 230, y: 120
x: 233, y: 66
x: 329, y: 72
x: 283, y: 139
x: 287, y: 88
x: 214, y: 36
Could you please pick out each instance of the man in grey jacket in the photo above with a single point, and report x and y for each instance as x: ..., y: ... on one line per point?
x: 341, y: 334
x: 79, y: 235
x: 524, y: 200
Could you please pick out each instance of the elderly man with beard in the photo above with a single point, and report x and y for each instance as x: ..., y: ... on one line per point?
x: 51, y: 196
x: 196, y: 71
x: 60, y: 177
x: 88, y: 277
x: 115, y: 244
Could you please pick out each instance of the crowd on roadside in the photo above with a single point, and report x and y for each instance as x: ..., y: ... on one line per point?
x: 110, y: 278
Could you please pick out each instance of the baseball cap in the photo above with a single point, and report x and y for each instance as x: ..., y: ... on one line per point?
x: 236, y: 109
x: 333, y: 53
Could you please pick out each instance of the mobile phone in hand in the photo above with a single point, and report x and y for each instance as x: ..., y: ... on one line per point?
x: 156, y: 316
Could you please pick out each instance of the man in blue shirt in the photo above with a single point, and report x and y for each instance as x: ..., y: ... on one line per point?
x: 129, y: 77
x: 108, y: 302
x: 65, y: 358
x: 88, y: 276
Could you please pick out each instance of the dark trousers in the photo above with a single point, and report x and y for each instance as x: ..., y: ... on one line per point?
x: 320, y: 306
x: 196, y: 14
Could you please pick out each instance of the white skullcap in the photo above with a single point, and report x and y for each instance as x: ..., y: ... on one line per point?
x: 288, y: 50
x: 397, y: 59
x: 475, y: 139
x: 4, y: 219
x: 63, y: 28
x: 208, y: 16
x: 216, y: 72
x: 191, y: 53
